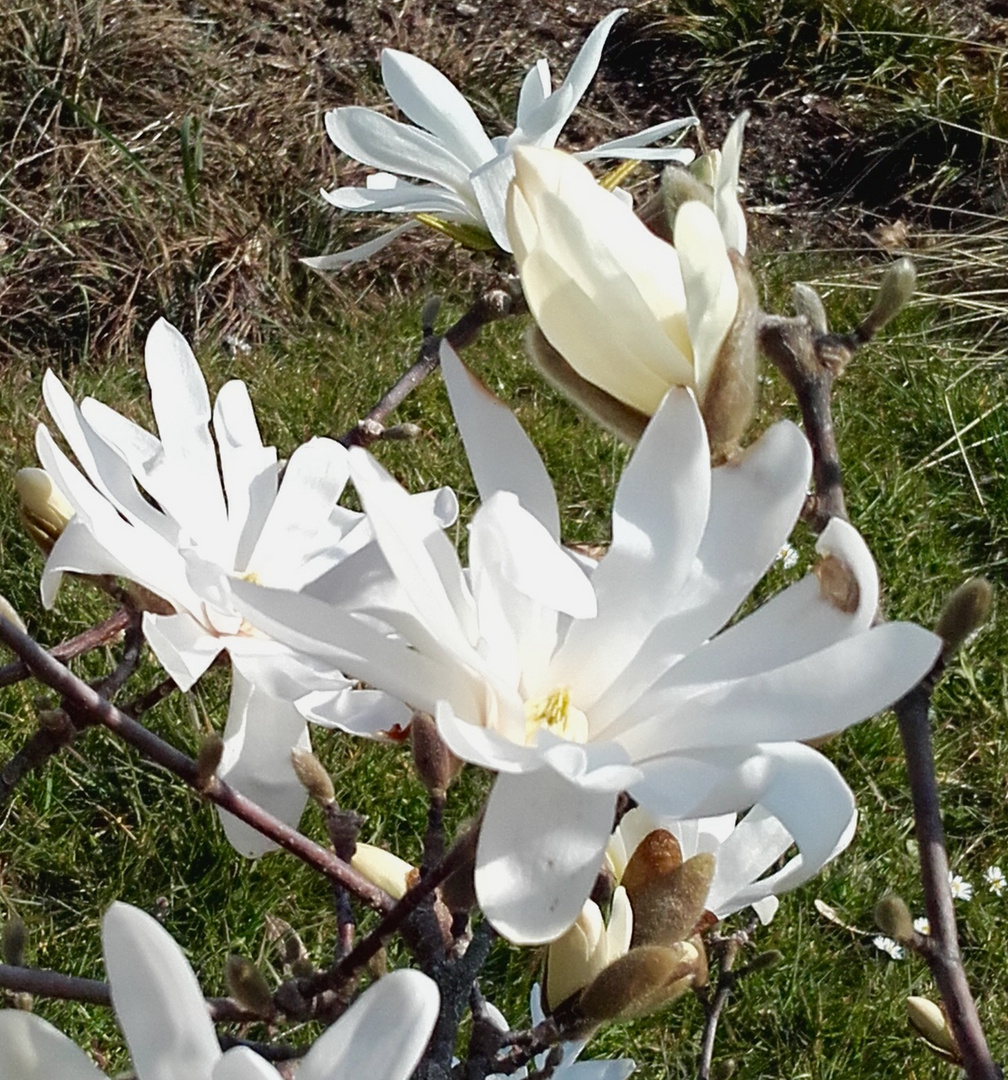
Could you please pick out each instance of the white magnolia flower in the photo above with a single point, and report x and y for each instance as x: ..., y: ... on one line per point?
x: 164, y: 1017
x: 574, y: 684
x: 960, y: 888
x: 465, y: 172
x: 922, y: 924
x: 158, y: 511
x: 891, y: 948
x: 744, y: 849
x: 629, y: 313
x: 996, y: 881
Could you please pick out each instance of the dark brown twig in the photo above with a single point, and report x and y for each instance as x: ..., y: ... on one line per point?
x: 492, y: 305
x: 726, y: 951
x: 940, y: 948
x: 87, y: 707
x: 92, y: 638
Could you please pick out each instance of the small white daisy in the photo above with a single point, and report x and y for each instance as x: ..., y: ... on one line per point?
x: 891, y: 948
x: 787, y: 556
x: 961, y: 890
x: 922, y: 924
x: 996, y: 881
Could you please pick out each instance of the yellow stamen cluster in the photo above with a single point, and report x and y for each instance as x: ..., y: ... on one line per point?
x: 555, y: 712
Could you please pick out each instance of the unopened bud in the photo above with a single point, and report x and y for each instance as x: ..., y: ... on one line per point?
x: 621, y: 420
x: 965, y: 611
x: 406, y: 432
x: 8, y: 612
x: 13, y: 940
x: 435, y: 764
x: 656, y: 855
x: 896, y: 289
x: 730, y: 395
x: 764, y: 961
x: 838, y: 584
x: 384, y: 869
x: 429, y: 313
x: 639, y: 982
x: 893, y: 917
x: 248, y: 986
x: 667, y: 908
x: 313, y: 776
x: 808, y: 302
x: 927, y: 1019
x: 44, y: 509
x: 724, y: 1069
x: 208, y: 758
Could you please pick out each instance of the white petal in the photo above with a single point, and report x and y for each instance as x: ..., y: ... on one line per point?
x: 501, y: 455
x: 535, y: 89
x: 182, y: 410
x: 726, y: 205
x: 484, y: 746
x: 758, y: 497
x: 709, y: 281
x: 393, y: 147
x: 540, y: 850
x: 793, y: 782
x: 241, y: 1063
x: 644, y: 137
x: 260, y: 733
x: 156, y: 998
x: 814, y: 696
x: 543, y: 125
x: 369, y: 713
x: 490, y: 184
x: 752, y: 847
x: 382, y: 1035
x: 659, y: 515
x: 431, y: 101
x: 299, y: 540
x: 34, y: 1050
x: 359, y: 253
x: 184, y: 646
x: 248, y: 468
x: 403, y: 198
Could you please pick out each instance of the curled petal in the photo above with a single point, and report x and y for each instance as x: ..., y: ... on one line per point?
x: 34, y: 1050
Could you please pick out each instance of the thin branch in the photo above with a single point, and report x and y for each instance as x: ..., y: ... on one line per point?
x: 941, y: 947
x: 92, y: 638
x: 54, y: 984
x: 492, y: 305
x: 87, y: 707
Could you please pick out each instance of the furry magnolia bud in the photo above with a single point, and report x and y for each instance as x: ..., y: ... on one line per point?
x: 248, y: 986
x: 313, y: 776
x: 927, y: 1019
x: 893, y: 917
x: 44, y: 509
x: 8, y: 612
x: 13, y: 941
x: 965, y: 611
x: 896, y: 289
x: 639, y: 982
x: 208, y: 758
x: 435, y: 764
x: 668, y: 906
x: 808, y: 302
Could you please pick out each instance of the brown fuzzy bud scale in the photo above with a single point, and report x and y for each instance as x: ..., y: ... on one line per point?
x: 965, y: 611
x: 313, y: 776
x: 208, y: 758
x: 668, y: 906
x: 658, y: 853
x: 435, y: 764
x: 639, y: 982
x: 13, y: 941
x: 838, y: 584
x: 248, y: 986
x: 893, y: 917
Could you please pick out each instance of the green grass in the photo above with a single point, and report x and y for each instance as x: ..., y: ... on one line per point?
x: 923, y: 437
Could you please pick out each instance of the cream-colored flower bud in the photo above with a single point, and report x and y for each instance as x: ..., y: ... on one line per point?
x: 965, y: 611
x: 927, y: 1019
x: 44, y: 509
x: 8, y: 612
x: 384, y: 869
x: 248, y: 986
x: 809, y: 303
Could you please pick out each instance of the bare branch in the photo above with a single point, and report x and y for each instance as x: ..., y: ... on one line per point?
x: 90, y: 639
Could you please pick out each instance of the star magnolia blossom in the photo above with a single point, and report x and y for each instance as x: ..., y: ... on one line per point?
x: 164, y: 1017
x: 629, y: 313
x: 574, y: 684
x: 466, y: 172
x: 203, y: 527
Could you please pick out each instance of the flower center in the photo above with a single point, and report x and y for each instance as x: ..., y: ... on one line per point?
x: 555, y: 712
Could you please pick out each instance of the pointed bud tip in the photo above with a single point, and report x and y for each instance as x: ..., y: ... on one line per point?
x: 965, y: 611
x: 313, y: 776
x: 927, y: 1019
x: 208, y: 758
